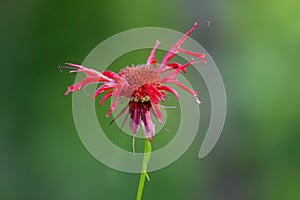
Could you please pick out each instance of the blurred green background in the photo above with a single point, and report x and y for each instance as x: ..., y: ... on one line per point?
x: 255, y: 44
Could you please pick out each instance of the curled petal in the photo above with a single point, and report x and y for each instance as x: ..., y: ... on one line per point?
x: 194, y: 54
x: 177, y: 69
x: 108, y: 94
x: 103, y: 88
x: 194, y: 93
x: 151, y: 59
x: 169, y: 89
x: 170, y: 76
x: 173, y: 65
x: 90, y: 72
x: 116, y: 93
x: 92, y: 76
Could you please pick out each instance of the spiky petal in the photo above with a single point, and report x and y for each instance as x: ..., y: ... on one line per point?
x: 142, y: 85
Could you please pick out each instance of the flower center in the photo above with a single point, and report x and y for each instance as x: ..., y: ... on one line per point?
x: 137, y: 77
x: 140, y: 95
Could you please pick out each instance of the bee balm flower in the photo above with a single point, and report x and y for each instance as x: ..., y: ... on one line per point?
x: 143, y: 85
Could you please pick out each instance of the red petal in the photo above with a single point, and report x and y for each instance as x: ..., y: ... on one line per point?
x: 175, y: 66
x: 116, y: 93
x: 194, y: 93
x: 194, y: 54
x: 92, y: 76
x: 78, y: 86
x: 153, y: 98
x: 108, y: 94
x: 174, y: 50
x: 169, y: 89
x: 156, y: 92
x: 151, y: 59
x: 103, y: 88
x: 110, y: 74
x: 177, y: 69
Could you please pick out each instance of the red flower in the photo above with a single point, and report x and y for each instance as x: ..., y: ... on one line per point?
x: 143, y: 85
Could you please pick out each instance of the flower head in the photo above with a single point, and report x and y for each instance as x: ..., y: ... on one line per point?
x: 143, y: 85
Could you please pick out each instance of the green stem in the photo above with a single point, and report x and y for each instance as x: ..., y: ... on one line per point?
x: 147, y: 155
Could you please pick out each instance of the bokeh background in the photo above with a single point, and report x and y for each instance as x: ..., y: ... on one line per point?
x: 255, y: 44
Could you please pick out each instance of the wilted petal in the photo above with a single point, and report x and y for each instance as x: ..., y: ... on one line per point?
x: 148, y: 126
x: 135, y: 120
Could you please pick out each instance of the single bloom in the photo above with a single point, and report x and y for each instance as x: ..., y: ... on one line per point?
x: 143, y: 85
